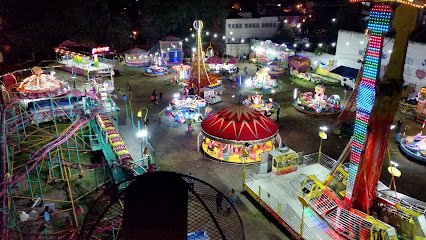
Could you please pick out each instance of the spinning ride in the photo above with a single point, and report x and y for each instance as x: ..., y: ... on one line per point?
x: 414, y: 146
x: 257, y: 103
x: 40, y: 84
x: 318, y: 103
x: 186, y: 109
x: 277, y: 68
x: 155, y: 71
x: 262, y: 80
x: 238, y: 130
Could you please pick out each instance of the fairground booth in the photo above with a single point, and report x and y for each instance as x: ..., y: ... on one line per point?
x: 137, y: 57
x: 265, y: 52
x: 171, y: 50
x: 83, y: 59
x: 230, y: 132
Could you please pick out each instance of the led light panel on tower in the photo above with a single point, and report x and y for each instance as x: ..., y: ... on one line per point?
x: 378, y: 23
x: 414, y: 3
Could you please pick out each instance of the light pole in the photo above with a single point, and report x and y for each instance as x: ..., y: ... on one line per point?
x: 304, y: 204
x: 143, y: 133
x: 322, y: 135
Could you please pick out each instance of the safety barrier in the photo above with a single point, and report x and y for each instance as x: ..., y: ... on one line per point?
x: 279, y: 209
x: 325, y: 160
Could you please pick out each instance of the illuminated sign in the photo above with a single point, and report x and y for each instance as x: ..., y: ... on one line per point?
x: 100, y: 50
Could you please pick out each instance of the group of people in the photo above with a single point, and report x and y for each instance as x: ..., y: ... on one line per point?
x: 232, y: 198
x: 154, y: 98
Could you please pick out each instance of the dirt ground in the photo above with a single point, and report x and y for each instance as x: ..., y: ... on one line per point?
x: 177, y: 151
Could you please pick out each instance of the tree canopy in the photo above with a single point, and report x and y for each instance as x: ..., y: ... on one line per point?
x: 37, y: 26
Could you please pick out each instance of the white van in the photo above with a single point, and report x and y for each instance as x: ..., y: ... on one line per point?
x: 348, y: 83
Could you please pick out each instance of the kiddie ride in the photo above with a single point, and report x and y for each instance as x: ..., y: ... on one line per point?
x: 186, y: 109
x: 318, y: 103
x: 262, y: 80
x: 414, y: 146
x: 155, y: 71
x: 256, y: 102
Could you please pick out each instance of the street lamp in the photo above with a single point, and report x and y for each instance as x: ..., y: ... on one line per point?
x: 144, y: 132
x: 304, y: 204
x: 322, y: 135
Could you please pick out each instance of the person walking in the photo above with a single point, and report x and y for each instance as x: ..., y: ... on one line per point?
x: 190, y: 181
x: 278, y: 114
x: 232, y: 200
x: 245, y: 70
x: 219, y: 199
x: 398, y: 125
x: 161, y: 96
x: 190, y: 129
x: 128, y: 87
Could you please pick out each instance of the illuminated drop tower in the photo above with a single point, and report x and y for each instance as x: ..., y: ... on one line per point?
x: 378, y: 25
x: 199, y: 76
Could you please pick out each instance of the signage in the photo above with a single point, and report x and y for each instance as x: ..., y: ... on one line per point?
x: 100, y: 50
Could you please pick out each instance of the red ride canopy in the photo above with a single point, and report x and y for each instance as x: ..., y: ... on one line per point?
x: 239, y: 124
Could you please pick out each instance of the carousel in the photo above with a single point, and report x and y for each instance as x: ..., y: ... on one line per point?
x: 40, y: 84
x: 257, y: 103
x: 318, y: 103
x: 238, y: 134
x: 262, y: 80
x: 182, y: 76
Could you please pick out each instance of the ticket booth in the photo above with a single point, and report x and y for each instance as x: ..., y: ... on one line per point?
x: 284, y: 160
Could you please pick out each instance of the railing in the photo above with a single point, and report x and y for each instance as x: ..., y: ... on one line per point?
x: 283, y: 210
x: 325, y: 160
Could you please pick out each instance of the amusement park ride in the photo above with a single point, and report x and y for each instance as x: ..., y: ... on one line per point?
x: 48, y: 134
x: 346, y: 200
x: 376, y: 104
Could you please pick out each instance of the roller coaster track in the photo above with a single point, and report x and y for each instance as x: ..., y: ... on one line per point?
x: 8, y: 181
x: 40, y: 154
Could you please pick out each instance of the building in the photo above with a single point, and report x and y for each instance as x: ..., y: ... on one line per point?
x: 350, y: 50
x: 243, y: 27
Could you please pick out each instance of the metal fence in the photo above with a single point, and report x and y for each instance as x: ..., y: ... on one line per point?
x: 324, y: 160
x: 283, y: 210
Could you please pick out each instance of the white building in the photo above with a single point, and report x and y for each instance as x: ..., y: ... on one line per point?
x: 239, y: 31
x: 351, y: 47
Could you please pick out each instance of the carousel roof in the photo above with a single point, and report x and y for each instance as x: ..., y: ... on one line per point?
x: 238, y: 124
x: 135, y: 51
